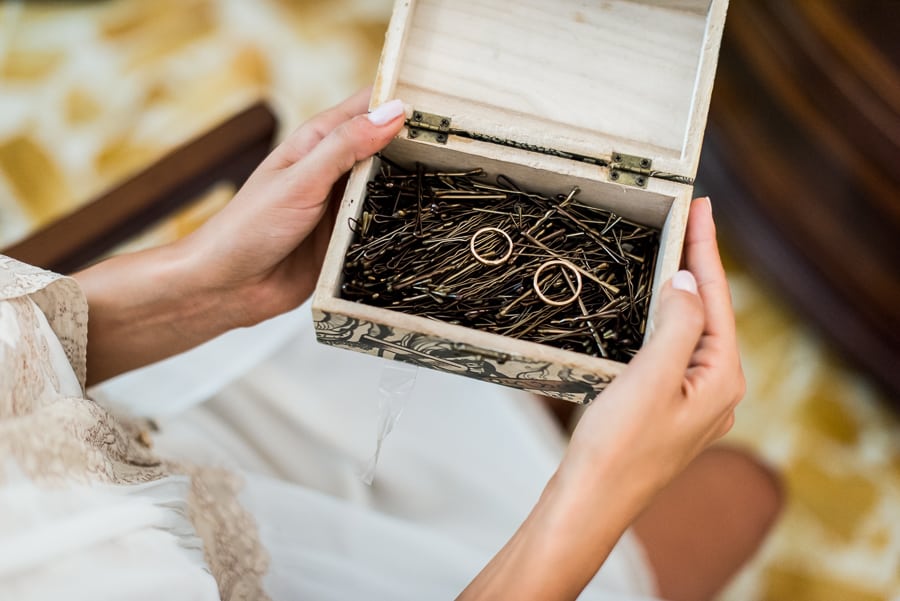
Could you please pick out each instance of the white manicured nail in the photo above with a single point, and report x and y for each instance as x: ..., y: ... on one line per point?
x: 684, y: 280
x: 387, y: 112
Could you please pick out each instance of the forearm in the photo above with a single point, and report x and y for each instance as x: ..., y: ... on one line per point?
x: 147, y: 306
x: 564, y: 540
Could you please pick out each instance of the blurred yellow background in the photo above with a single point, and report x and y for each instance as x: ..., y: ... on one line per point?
x: 91, y: 92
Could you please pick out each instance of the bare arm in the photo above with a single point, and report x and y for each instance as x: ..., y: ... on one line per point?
x: 675, y: 398
x: 259, y: 257
x: 141, y: 308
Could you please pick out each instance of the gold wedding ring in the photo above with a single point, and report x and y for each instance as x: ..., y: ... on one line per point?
x: 481, y: 259
x: 562, y: 263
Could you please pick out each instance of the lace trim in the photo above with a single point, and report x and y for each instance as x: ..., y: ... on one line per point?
x: 55, y: 438
x: 59, y: 440
x: 61, y: 300
x: 232, y: 548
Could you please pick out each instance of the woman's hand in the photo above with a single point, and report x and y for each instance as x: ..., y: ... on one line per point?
x: 675, y: 397
x: 679, y: 393
x: 265, y: 249
x: 260, y: 256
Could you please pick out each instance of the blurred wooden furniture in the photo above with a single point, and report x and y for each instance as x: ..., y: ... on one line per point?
x: 802, y: 160
x: 228, y: 153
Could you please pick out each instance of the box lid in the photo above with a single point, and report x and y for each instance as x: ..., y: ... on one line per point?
x: 589, y: 77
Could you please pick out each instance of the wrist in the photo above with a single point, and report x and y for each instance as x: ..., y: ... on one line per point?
x: 569, y: 533
x: 204, y: 309
x: 147, y: 306
x: 196, y: 292
x: 604, y: 477
x: 241, y: 291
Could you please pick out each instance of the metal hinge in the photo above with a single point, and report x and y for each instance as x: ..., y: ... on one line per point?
x: 630, y: 170
x: 428, y: 127
x: 625, y: 169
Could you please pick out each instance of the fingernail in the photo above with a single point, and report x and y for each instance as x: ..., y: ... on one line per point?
x: 387, y: 112
x: 708, y: 203
x: 684, y: 280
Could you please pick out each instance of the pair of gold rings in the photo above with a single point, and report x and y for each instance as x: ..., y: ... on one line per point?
x: 537, y: 274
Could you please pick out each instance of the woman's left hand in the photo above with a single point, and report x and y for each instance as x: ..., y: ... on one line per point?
x: 265, y: 249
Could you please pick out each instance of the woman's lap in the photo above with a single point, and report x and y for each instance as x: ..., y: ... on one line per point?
x: 461, y: 470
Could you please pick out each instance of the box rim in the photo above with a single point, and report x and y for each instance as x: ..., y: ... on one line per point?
x: 327, y: 298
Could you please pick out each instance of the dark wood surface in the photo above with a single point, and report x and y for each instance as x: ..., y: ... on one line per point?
x: 227, y: 153
x: 802, y: 160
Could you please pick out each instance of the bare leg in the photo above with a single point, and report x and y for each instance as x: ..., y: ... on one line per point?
x: 708, y: 522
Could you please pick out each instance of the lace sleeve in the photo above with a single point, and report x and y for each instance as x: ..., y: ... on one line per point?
x: 60, y: 299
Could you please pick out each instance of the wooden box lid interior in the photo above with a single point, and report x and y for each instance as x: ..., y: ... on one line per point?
x: 582, y: 76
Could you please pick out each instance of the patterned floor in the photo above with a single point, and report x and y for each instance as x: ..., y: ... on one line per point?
x: 90, y: 92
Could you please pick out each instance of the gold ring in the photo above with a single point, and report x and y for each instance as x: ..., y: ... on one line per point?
x: 562, y: 263
x: 481, y: 259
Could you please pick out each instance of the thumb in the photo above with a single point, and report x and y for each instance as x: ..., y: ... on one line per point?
x: 354, y: 140
x: 679, y: 322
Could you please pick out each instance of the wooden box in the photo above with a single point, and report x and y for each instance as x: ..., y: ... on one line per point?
x: 610, y: 96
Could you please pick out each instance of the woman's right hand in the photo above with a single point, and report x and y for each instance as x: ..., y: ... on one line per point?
x: 675, y: 397
x: 679, y: 392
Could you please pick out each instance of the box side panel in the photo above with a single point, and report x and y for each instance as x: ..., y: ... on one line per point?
x: 544, y: 174
x: 671, y: 243
x: 329, y: 282
x: 545, y: 378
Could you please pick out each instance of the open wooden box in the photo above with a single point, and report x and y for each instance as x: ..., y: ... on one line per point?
x: 610, y: 96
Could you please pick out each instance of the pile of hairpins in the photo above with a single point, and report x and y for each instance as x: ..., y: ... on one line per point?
x: 453, y: 247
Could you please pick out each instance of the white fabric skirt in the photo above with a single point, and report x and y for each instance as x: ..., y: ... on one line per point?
x: 464, y: 465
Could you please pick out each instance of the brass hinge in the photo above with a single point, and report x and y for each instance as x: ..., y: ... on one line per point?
x: 428, y: 127
x: 630, y: 170
x: 625, y: 169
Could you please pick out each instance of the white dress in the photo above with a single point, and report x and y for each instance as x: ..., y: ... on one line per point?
x: 284, y: 427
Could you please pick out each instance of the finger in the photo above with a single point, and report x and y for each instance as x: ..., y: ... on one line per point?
x: 679, y: 322
x: 352, y: 141
x: 702, y: 259
x: 304, y: 138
